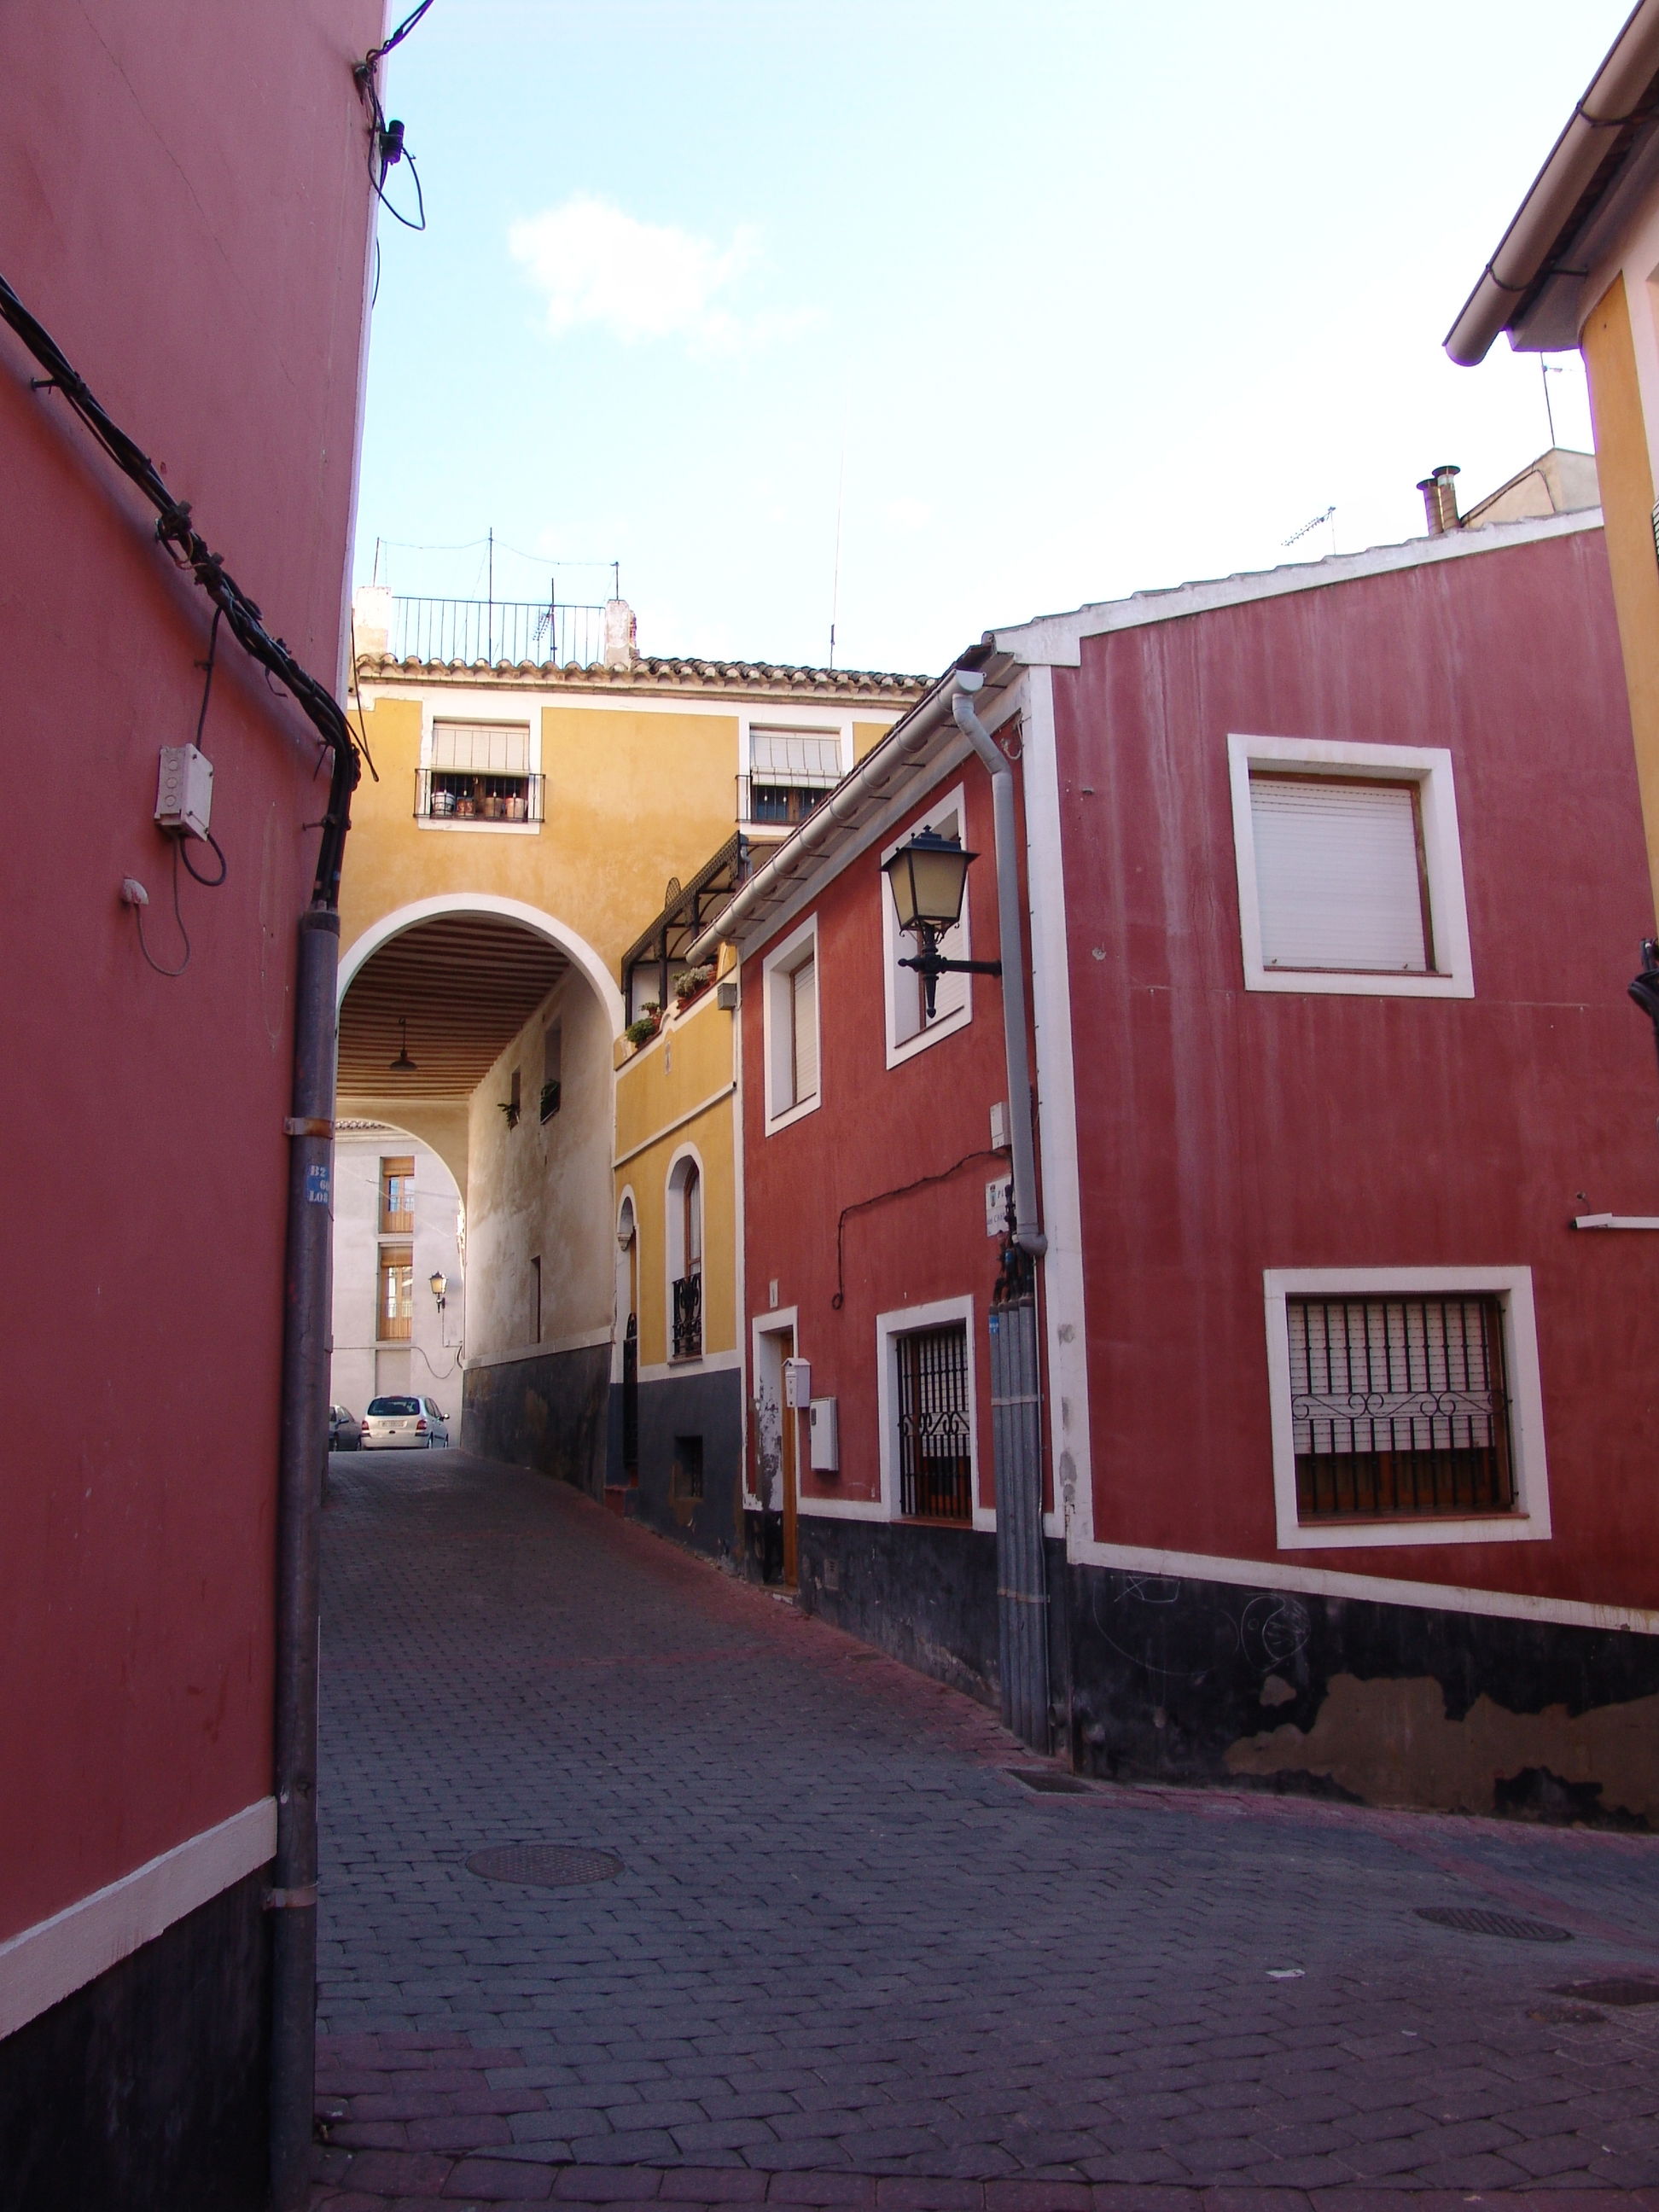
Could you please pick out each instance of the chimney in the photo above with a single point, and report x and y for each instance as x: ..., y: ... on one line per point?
x: 621, y: 629
x: 1440, y: 499
x: 371, y: 620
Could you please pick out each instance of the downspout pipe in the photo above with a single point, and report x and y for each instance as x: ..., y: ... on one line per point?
x: 306, y: 1301
x: 1015, y: 1041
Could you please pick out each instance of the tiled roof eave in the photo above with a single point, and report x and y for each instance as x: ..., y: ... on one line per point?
x: 656, y: 674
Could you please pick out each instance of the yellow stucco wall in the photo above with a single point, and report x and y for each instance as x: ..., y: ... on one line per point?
x: 630, y: 799
x: 1627, y: 477
x: 689, y: 1066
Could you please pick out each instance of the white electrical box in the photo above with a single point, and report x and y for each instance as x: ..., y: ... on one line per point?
x: 184, y: 792
x: 823, y: 1455
x: 1000, y: 1128
x: 798, y: 1384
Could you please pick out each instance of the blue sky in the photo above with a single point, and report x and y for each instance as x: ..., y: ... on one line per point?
x: 1050, y: 303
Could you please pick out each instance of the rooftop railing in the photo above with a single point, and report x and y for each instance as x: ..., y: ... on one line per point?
x: 474, y: 631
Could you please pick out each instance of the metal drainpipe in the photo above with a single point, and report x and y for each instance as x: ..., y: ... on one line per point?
x: 1016, y: 1366
x: 306, y: 1332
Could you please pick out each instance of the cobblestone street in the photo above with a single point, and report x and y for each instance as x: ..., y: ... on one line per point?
x: 850, y: 1958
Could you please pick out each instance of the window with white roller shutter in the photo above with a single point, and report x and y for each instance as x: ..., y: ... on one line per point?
x: 1339, y: 877
x: 790, y: 999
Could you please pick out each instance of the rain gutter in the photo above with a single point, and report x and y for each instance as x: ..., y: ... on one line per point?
x: 1562, y: 197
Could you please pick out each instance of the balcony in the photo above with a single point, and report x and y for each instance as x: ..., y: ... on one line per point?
x: 485, y: 631
x: 688, y: 1318
x: 768, y: 802
x: 447, y: 795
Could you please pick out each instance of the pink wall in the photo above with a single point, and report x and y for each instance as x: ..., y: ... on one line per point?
x: 187, y: 209
x: 876, y: 1129
x: 1223, y: 1132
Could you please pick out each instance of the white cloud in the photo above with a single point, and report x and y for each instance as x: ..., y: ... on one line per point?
x: 601, y: 268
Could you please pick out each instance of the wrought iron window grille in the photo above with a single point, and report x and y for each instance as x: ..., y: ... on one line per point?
x: 688, y: 1317
x: 935, y: 1433
x: 1400, y: 1407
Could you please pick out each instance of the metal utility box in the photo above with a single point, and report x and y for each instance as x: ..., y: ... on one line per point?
x: 823, y: 1455
x: 184, y: 792
x: 798, y: 1384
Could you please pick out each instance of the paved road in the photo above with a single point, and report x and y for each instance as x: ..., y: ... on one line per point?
x: 845, y: 1942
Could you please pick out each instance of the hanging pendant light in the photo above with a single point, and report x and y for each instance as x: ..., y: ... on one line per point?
x: 403, y: 1064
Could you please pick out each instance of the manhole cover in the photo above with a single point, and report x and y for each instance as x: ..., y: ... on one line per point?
x: 1476, y: 1920
x: 1050, y: 1781
x: 1613, y: 1992
x: 550, y: 1866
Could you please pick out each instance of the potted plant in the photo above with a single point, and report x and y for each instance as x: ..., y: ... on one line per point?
x: 690, y: 980
x: 650, y: 1021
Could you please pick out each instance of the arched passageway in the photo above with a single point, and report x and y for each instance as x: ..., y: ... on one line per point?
x: 481, y: 1027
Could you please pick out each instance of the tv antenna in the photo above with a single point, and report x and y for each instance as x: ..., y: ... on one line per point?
x: 1317, y: 522
x: 1545, y: 370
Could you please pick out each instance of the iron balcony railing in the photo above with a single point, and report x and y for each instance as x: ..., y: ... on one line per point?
x: 457, y: 794
x: 768, y: 801
x: 472, y: 631
x: 688, y: 1317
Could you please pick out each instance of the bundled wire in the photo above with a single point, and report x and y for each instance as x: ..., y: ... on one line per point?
x: 385, y: 139
x: 175, y: 530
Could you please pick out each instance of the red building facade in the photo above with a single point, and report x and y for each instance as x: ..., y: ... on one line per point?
x: 188, y: 209
x: 1333, y: 879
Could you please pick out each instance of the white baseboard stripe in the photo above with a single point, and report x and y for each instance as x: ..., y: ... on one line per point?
x: 1384, y: 1589
x: 44, y: 1964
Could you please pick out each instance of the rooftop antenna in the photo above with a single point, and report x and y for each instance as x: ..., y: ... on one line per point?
x: 616, y: 579
x: 1318, y: 522
x: 490, y: 593
x: 1547, y: 369
x: 834, y: 576
x: 375, y: 577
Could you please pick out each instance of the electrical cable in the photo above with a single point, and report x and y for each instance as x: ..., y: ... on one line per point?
x: 138, y: 916
x: 185, y: 546
x: 901, y: 1190
x: 365, y: 67
x: 208, y: 883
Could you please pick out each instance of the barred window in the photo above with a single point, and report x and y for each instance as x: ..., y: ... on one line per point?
x: 1398, y: 1407
x: 934, y: 1436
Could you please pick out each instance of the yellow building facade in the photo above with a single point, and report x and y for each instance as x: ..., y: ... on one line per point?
x: 525, y: 821
x: 1579, y: 267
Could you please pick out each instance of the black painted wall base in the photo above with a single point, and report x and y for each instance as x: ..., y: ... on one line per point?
x: 147, y: 2090
x: 1177, y: 1680
x: 926, y: 1594
x: 706, y: 1408
x: 547, y: 1412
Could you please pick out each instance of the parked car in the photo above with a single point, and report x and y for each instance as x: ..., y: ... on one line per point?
x: 345, y: 1430
x: 403, y: 1425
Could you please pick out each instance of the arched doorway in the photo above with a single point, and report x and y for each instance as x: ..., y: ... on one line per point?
x: 485, y: 1028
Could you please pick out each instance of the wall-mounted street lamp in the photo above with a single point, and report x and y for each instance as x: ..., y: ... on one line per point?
x: 1646, y: 988
x: 439, y: 1283
x: 928, y: 877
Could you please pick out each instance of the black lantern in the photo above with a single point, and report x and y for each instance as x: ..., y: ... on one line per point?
x: 927, y: 876
x: 440, y: 1285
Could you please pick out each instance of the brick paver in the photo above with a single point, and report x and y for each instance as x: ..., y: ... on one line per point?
x: 850, y: 1960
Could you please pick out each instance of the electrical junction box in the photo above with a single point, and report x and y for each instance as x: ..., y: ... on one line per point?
x: 1000, y: 1128
x: 823, y: 1455
x: 184, y: 792
x: 798, y: 1384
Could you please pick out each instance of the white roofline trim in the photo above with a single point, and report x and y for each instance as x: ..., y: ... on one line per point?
x: 1055, y: 641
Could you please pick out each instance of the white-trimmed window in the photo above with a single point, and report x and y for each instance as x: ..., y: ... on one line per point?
x: 1350, y: 873
x: 1406, y: 1407
x: 479, y: 775
x: 683, y: 1248
x: 790, y: 979
x: 908, y: 1029
x: 925, y: 1380
x: 788, y: 773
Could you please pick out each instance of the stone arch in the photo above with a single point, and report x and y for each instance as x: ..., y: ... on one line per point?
x: 575, y: 947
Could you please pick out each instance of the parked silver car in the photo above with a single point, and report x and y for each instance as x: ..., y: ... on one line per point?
x: 403, y: 1425
x: 345, y: 1430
